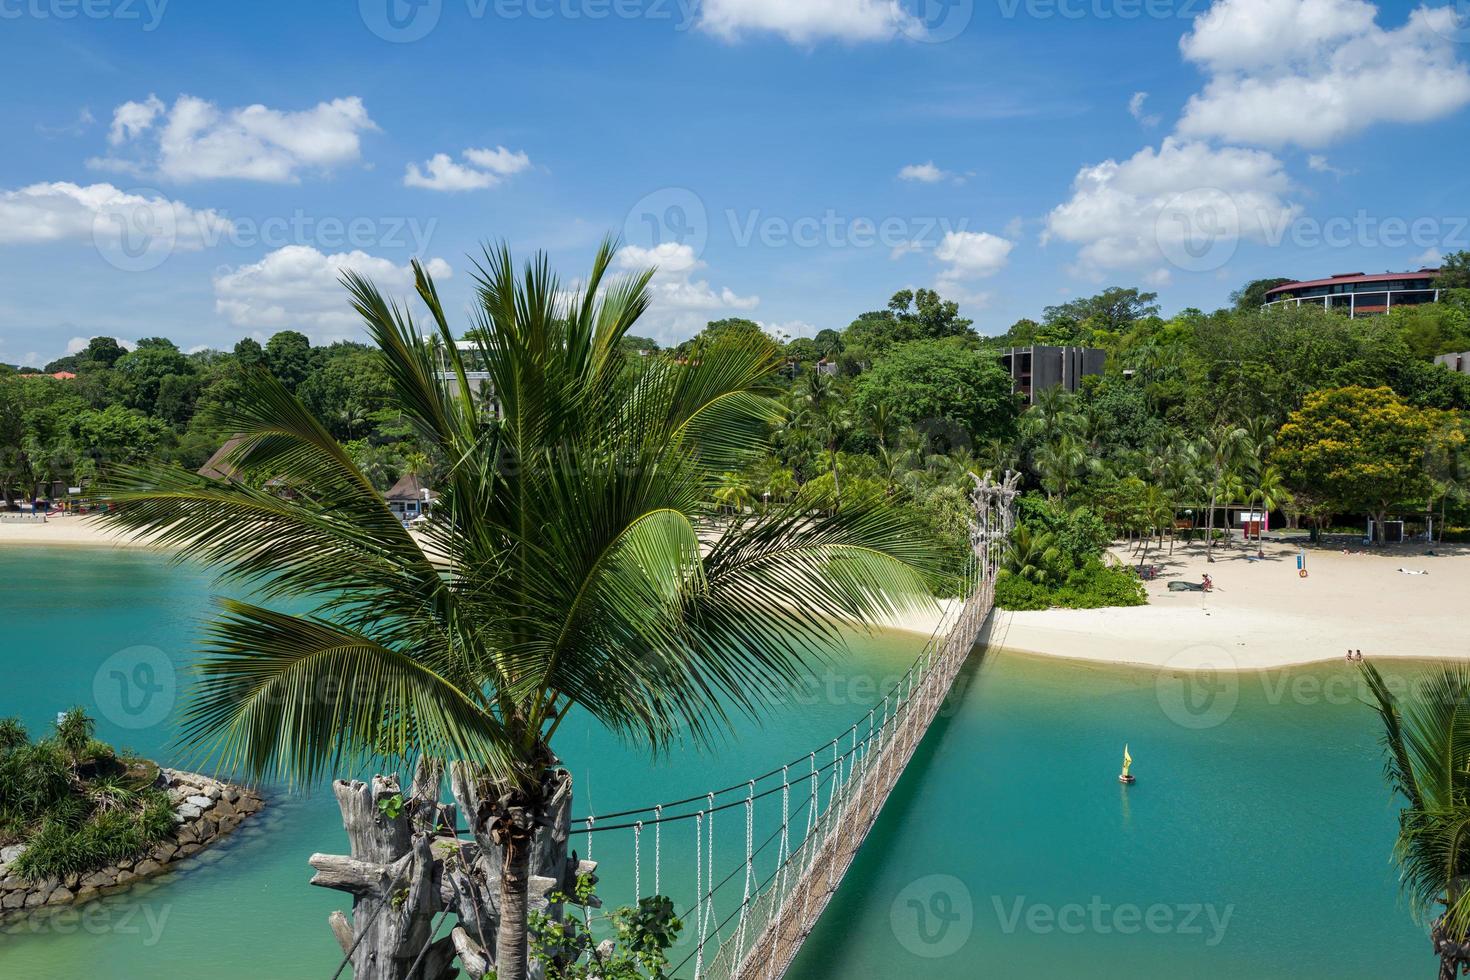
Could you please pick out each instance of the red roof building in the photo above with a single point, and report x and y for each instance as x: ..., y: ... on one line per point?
x: 1359, y: 294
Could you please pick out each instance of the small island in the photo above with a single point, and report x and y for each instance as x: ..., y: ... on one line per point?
x: 79, y: 819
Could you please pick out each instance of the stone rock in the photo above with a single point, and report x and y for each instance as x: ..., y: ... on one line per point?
x: 125, y: 864
x: 213, y: 791
x: 10, y: 884
x: 86, y: 893
x: 164, y: 853
x: 8, y: 855
x: 60, y: 895
x: 222, y: 809
x: 34, y: 898
x: 146, y: 868
x: 100, y: 879
x: 190, y: 849
x: 186, y: 835
x: 229, y: 823
x: 188, y: 811
x: 201, y: 801
x: 71, y: 881
x: 123, y: 877
x: 13, y: 900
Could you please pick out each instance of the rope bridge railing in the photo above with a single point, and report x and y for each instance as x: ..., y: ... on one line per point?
x: 804, y: 821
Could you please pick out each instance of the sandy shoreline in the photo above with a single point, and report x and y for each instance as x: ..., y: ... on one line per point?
x: 1261, y: 615
x: 68, y: 531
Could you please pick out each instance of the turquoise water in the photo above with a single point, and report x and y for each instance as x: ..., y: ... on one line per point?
x: 1255, y: 843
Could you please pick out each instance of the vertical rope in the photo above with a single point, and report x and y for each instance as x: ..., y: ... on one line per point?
x: 749, y: 861
x: 658, y: 851
x: 590, y: 820
x: 637, y: 862
x: 699, y: 891
x: 783, y: 858
x: 709, y: 845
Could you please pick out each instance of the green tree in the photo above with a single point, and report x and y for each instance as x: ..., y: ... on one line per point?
x: 1363, y: 449
x: 1252, y: 295
x: 577, y: 564
x: 288, y: 354
x: 1115, y: 308
x: 1454, y: 271
x: 925, y: 382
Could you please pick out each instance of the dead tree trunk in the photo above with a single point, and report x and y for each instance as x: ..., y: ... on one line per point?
x: 394, y: 878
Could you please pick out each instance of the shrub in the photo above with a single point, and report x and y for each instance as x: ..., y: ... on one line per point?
x: 1093, y: 586
x: 1016, y: 593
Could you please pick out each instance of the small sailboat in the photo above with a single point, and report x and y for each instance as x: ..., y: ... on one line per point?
x: 1125, y: 776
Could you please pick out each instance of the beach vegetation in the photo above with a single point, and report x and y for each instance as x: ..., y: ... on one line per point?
x: 73, y: 803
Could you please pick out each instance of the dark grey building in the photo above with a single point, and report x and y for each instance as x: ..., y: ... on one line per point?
x: 1459, y: 362
x: 1034, y: 369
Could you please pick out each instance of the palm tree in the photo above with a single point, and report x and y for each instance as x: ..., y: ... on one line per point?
x: 1221, y: 452
x: 1427, y: 745
x: 74, y: 734
x: 576, y: 563
x: 1032, y: 555
x: 733, y: 493
x: 1058, y: 463
x: 1269, y: 490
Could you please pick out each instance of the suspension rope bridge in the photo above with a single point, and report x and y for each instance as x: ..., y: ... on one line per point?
x: 793, y: 831
x: 751, y: 922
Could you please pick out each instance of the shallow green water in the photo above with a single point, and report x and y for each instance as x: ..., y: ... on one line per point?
x: 1008, y: 850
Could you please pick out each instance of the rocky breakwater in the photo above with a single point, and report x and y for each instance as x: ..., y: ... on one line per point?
x: 205, y: 811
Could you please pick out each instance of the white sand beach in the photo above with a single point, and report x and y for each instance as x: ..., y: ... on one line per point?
x: 65, y: 531
x: 1261, y: 613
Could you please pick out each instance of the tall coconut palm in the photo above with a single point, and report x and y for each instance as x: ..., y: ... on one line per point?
x: 573, y: 561
x: 1221, y: 453
x: 1427, y: 745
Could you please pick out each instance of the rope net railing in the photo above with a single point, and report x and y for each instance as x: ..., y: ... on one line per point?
x: 787, y: 836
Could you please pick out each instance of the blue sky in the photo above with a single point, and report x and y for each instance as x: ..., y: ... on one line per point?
x: 203, y: 171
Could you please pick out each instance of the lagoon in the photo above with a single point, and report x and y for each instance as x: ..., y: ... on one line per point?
x: 1255, y: 844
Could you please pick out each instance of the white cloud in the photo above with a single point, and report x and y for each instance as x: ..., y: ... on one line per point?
x: 105, y: 215
x: 197, y: 140
x: 972, y: 254
x: 924, y: 173
x: 1322, y: 165
x: 133, y: 118
x: 1430, y: 259
x: 1186, y: 204
x: 484, y: 168
x: 1311, y: 72
x: 679, y: 304
x: 1135, y: 109
x: 299, y: 287
x: 789, y: 328
x: 806, y: 21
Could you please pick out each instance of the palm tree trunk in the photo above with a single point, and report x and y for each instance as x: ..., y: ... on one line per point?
x: 511, y: 945
x: 1210, y: 530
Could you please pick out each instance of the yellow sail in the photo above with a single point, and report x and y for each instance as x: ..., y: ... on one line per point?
x: 1127, y: 759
